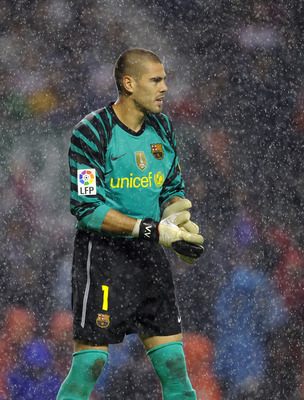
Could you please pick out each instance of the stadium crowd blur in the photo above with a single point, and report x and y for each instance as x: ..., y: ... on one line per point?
x: 235, y: 72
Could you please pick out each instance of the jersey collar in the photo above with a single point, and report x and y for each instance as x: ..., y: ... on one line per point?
x: 122, y: 125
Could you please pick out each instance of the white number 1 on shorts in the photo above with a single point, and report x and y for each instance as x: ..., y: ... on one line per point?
x: 105, y: 304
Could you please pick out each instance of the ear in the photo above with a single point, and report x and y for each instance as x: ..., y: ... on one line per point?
x: 128, y: 83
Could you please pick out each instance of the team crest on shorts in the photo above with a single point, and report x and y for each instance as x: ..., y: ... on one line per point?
x: 157, y: 151
x: 103, y: 320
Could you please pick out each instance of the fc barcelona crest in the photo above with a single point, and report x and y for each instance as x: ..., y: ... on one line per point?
x: 103, y: 320
x: 157, y: 151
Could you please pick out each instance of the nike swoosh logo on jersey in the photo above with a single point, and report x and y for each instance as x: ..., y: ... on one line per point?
x: 116, y: 158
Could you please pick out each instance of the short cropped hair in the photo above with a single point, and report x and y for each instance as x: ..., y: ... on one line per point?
x: 130, y: 62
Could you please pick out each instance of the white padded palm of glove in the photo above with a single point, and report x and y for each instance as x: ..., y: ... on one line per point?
x: 178, y: 207
x: 170, y: 231
x: 188, y: 226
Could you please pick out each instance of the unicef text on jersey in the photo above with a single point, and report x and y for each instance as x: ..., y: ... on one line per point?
x: 136, y: 181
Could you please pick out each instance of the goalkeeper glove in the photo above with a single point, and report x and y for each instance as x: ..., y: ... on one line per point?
x: 189, y: 226
x: 167, y: 231
x: 177, y: 207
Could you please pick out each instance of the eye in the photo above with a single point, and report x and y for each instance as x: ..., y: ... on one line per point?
x: 156, y: 80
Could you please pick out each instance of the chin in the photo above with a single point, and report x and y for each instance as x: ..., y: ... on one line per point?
x: 157, y: 110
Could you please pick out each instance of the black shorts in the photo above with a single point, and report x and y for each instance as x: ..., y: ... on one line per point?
x: 121, y: 286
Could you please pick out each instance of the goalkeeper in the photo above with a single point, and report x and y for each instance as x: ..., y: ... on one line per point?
x: 128, y: 197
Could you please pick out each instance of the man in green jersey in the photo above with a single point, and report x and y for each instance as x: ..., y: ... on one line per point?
x: 128, y: 196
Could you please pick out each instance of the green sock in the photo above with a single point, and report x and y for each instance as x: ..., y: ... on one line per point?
x: 86, y: 368
x: 169, y: 363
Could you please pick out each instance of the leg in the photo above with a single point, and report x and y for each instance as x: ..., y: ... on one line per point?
x: 150, y: 342
x: 167, y: 357
x: 87, y: 365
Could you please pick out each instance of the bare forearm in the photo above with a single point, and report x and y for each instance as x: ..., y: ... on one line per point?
x: 117, y: 223
x: 120, y: 224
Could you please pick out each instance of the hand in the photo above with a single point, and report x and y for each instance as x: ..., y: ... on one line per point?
x: 170, y: 231
x: 167, y: 233
x: 180, y: 206
x: 189, y: 226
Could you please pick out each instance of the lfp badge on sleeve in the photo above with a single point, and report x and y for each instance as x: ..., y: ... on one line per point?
x: 86, y: 181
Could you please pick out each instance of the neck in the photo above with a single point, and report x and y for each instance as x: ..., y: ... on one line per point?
x: 127, y: 112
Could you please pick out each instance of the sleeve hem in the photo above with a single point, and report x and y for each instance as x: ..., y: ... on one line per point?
x: 94, y: 220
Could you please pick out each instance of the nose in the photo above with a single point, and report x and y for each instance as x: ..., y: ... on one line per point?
x: 164, y: 87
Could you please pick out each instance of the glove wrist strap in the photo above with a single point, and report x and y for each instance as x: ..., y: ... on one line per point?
x: 135, y: 231
x: 148, y: 230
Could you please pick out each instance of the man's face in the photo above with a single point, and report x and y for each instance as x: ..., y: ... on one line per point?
x: 149, y: 88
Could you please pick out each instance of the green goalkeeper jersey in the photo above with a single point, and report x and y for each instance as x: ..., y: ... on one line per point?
x: 112, y: 166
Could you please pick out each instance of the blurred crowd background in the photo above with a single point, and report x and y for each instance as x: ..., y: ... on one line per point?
x: 235, y: 73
